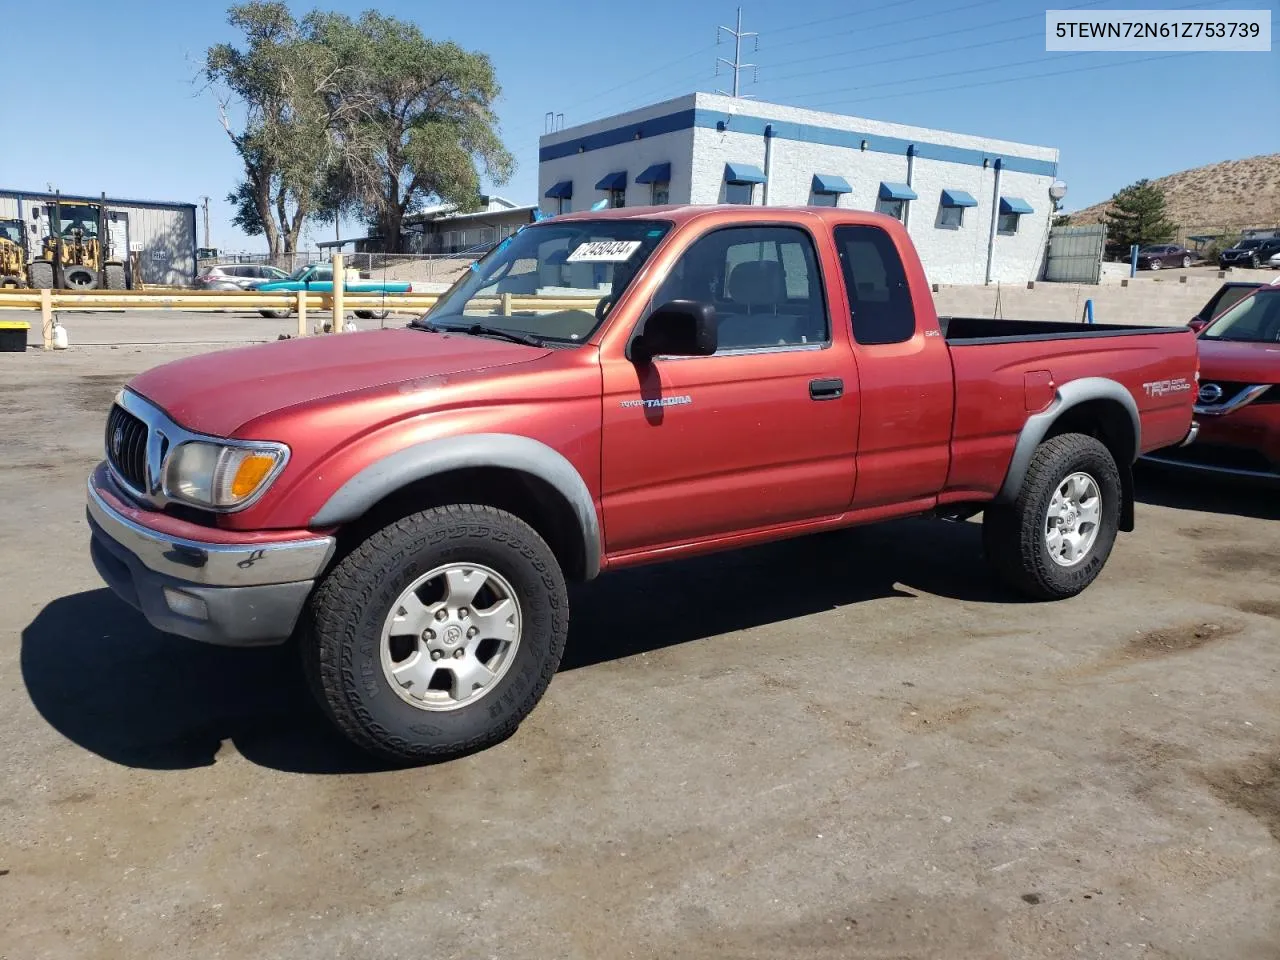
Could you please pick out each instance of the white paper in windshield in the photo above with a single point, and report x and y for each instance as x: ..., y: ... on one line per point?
x: 603, y: 251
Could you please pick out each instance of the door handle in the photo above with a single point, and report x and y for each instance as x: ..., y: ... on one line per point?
x: 829, y: 388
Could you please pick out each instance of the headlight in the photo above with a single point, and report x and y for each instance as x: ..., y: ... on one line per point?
x: 221, y: 476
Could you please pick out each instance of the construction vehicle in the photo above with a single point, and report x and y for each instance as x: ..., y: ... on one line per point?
x: 72, y: 254
x: 13, y: 254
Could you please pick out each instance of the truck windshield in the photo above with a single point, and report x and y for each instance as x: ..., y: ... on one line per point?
x: 1255, y: 319
x: 555, y: 281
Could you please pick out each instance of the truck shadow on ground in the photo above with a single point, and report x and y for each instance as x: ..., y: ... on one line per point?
x: 102, y: 677
x: 1163, y: 487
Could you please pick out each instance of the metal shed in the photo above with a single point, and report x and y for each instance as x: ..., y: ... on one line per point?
x: 162, y: 233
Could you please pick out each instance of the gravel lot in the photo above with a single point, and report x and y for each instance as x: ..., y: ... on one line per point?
x: 846, y: 746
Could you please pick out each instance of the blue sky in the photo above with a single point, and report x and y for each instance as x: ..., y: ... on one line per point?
x: 152, y: 131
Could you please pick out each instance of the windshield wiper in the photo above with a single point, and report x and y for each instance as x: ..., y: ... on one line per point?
x: 479, y: 330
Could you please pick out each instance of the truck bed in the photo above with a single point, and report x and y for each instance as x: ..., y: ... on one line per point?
x: 963, y: 331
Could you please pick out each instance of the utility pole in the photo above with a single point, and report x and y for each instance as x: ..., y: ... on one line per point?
x: 737, y: 65
x: 206, y: 222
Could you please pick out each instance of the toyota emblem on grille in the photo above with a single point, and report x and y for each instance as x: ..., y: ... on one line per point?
x: 1210, y: 393
x: 117, y: 440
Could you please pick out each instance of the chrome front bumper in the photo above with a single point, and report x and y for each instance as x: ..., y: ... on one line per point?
x: 227, y: 594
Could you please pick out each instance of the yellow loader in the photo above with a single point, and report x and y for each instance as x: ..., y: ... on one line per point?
x: 13, y: 255
x: 71, y: 255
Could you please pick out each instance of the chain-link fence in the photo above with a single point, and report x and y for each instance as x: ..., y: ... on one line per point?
x: 429, y: 268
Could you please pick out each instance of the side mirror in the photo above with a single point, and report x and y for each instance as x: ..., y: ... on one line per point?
x: 1197, y: 324
x: 678, y: 328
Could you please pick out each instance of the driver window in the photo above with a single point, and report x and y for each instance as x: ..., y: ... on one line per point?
x: 763, y: 281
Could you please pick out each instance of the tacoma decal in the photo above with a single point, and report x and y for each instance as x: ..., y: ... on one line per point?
x: 1160, y: 388
x: 662, y: 402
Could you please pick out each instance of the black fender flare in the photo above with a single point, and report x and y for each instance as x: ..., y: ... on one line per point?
x: 435, y: 457
x: 1038, y: 426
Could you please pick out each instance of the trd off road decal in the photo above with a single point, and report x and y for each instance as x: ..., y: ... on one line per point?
x: 1162, y: 388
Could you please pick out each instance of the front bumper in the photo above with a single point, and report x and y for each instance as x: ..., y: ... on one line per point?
x: 231, y: 594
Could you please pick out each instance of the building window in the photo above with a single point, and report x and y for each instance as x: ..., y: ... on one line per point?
x: 951, y: 217
x: 1008, y: 222
x: 743, y: 193
x: 564, y: 205
x: 825, y: 199
x: 661, y: 193
x: 618, y: 198
x: 892, y: 208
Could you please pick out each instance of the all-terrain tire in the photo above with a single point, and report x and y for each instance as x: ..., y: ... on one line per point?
x: 80, y: 278
x: 40, y: 275
x: 342, y: 635
x: 1014, y: 534
x: 115, y: 276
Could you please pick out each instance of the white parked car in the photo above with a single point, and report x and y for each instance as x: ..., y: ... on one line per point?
x: 1274, y: 262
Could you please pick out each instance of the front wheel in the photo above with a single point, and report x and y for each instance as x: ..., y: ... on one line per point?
x: 438, y: 634
x: 276, y: 314
x: 1186, y: 262
x: 1054, y: 539
x: 1156, y: 264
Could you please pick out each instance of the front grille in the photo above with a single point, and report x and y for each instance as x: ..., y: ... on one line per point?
x: 127, y: 447
x: 1232, y: 389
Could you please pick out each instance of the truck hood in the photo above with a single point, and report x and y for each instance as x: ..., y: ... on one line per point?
x: 1239, y: 362
x: 217, y: 393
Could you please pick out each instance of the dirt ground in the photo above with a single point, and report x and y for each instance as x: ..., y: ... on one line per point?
x: 849, y: 746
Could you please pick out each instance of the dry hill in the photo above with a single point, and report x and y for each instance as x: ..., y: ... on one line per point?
x: 1234, y: 194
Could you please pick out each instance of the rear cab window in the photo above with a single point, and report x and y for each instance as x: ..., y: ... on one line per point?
x: 880, y: 306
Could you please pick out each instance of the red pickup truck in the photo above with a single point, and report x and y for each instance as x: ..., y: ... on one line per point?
x: 605, y: 389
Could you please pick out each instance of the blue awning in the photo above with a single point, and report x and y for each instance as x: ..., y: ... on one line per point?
x: 958, y: 198
x: 743, y: 173
x: 1014, y: 205
x: 896, y: 191
x: 830, y: 183
x: 561, y: 191
x: 613, y: 181
x: 658, y: 173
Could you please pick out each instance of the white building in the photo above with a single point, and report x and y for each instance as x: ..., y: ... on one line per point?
x: 977, y: 209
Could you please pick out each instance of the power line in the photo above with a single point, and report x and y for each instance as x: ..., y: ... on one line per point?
x: 970, y: 46
x: 931, y: 36
x: 867, y: 27
x: 992, y: 83
x: 840, y: 16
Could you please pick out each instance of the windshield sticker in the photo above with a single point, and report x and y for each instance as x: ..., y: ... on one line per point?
x: 603, y: 251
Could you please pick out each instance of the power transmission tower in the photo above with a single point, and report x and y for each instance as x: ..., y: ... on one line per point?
x: 737, y: 66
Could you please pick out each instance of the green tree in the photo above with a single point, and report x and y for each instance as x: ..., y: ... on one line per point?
x: 1137, y: 215
x: 1062, y: 220
x: 413, y: 118
x: 279, y: 82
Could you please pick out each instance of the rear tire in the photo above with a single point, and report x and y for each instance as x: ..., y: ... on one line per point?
x: 1156, y: 264
x: 40, y: 275
x: 363, y: 623
x: 276, y: 314
x: 115, y: 277
x: 372, y: 314
x: 1019, y: 538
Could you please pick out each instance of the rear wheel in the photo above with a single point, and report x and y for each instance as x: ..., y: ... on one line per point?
x: 9, y: 282
x: 1156, y: 264
x: 40, y: 275
x: 372, y: 314
x: 115, y: 277
x: 1054, y: 539
x: 439, y: 634
x: 276, y: 314
x: 1253, y: 262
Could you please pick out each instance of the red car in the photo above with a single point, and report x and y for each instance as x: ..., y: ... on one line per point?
x: 606, y: 389
x: 1238, y: 406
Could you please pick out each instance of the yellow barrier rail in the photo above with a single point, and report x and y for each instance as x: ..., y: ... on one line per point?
x: 339, y: 301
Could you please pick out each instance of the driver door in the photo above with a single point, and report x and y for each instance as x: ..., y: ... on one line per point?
x: 761, y: 433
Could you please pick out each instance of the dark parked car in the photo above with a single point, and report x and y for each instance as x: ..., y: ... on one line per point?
x: 1164, y: 255
x: 237, y: 276
x: 1253, y: 253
